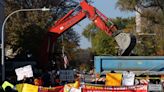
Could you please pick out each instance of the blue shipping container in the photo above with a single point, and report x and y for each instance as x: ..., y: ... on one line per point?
x: 135, y: 63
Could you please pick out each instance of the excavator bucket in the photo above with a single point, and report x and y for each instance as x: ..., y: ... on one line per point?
x: 126, y: 43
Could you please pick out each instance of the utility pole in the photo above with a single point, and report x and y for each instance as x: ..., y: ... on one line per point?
x: 2, y: 16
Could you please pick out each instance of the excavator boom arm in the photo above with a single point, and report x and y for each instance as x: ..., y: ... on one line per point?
x: 72, y: 18
x: 87, y: 10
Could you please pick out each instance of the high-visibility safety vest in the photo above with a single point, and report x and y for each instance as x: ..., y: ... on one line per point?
x: 5, y: 84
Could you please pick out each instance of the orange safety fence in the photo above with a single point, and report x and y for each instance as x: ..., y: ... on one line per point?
x: 137, y: 88
x: 52, y: 89
x: 84, y: 88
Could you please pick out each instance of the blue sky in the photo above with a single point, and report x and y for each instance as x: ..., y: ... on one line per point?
x: 108, y: 8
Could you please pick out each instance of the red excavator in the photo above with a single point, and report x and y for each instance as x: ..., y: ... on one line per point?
x: 125, y: 41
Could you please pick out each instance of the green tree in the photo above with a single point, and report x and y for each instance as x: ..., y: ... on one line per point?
x: 102, y: 44
x: 99, y: 40
x: 25, y: 31
x: 152, y: 12
x: 130, y: 5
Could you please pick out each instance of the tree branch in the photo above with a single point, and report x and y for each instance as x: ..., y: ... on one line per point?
x: 160, y: 6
